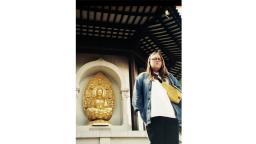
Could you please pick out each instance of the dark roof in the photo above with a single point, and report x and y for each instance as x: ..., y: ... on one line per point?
x: 145, y: 28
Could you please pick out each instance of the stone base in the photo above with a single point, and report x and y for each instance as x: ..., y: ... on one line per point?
x: 110, y: 137
x: 100, y: 123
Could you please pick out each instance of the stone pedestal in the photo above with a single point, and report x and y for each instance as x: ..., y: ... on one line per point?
x: 110, y: 136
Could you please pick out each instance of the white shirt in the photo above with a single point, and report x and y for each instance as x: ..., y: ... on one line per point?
x: 160, y: 102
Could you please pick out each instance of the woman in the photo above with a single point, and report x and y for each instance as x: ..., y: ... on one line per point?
x: 161, y: 116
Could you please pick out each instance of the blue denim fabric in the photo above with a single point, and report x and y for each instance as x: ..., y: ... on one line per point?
x: 141, y: 100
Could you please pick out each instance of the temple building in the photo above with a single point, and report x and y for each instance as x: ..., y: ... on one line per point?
x: 112, y: 46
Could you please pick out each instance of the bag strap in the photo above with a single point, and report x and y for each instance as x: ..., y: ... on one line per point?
x: 157, y: 77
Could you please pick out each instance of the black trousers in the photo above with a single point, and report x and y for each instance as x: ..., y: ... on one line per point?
x: 163, y: 130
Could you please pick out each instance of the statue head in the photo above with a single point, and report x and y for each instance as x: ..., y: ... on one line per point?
x: 99, y: 92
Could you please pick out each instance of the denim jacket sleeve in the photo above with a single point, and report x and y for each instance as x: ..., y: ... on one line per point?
x: 137, y: 100
x: 177, y: 107
x: 175, y: 81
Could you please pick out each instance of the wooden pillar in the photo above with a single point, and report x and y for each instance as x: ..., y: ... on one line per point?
x: 132, y: 75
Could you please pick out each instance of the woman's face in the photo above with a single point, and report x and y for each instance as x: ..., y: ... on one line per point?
x: 155, y: 62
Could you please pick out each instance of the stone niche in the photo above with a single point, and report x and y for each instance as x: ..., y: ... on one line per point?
x: 119, y: 119
x: 116, y: 69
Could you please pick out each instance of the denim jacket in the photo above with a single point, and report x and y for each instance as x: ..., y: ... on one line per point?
x: 141, y: 100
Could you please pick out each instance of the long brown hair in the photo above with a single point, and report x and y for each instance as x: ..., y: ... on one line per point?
x: 163, y: 72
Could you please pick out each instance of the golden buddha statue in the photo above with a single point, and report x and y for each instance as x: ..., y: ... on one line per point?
x: 98, y: 100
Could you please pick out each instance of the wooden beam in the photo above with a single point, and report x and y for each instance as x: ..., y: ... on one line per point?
x: 120, y: 12
x: 168, y: 30
x: 81, y: 3
x: 106, y: 24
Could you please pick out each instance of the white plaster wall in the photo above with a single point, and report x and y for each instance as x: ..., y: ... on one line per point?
x: 122, y: 64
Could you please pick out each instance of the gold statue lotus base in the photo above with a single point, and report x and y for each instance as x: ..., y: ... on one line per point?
x: 100, y: 123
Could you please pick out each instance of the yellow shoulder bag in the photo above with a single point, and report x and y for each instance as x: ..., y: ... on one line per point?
x: 173, y: 94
